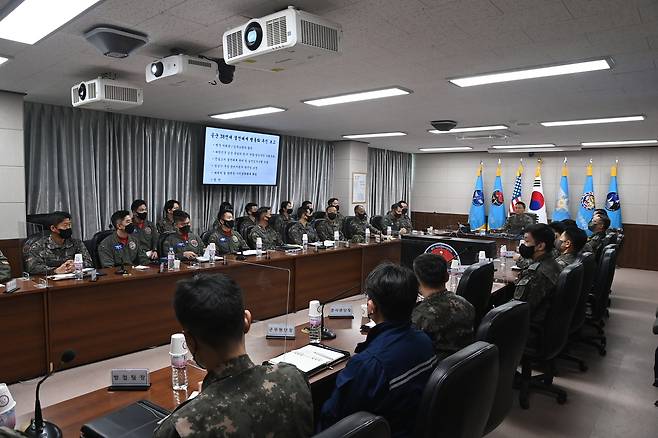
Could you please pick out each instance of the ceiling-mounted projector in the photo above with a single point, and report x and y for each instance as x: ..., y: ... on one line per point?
x: 281, y: 40
x: 178, y: 69
x: 106, y: 94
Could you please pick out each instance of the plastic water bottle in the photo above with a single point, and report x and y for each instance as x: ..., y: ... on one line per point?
x: 171, y: 257
x: 305, y: 241
x: 178, y: 355
x: 482, y: 257
x: 367, y: 235
x: 314, y: 322
x: 454, y: 275
x: 78, y: 265
x: 336, y: 236
x: 503, y: 260
x: 389, y: 231
x: 211, y: 253
x: 259, y: 246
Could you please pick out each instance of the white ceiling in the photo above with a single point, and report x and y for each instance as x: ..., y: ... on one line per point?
x: 415, y: 44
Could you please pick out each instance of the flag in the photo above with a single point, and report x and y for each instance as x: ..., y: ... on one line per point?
x: 561, y: 211
x: 516, y: 194
x: 476, y: 214
x: 537, y: 203
x: 612, y: 204
x: 587, y: 202
x: 497, y: 214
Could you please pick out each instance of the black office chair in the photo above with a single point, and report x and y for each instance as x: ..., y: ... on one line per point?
x: 346, y: 230
x: 546, y: 341
x: 457, y: 399
x: 239, y: 221
x: 475, y: 285
x: 507, y: 328
x: 205, y: 236
x: 378, y: 222
x: 358, y: 425
x: 95, y: 241
x: 246, y: 231
x: 286, y: 232
x: 655, y: 362
x: 162, y: 251
x: 31, y: 239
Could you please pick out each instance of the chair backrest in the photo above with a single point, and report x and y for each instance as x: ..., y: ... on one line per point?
x: 602, y: 282
x: 205, y: 236
x: 507, y: 328
x: 358, y: 425
x: 95, y: 241
x: 162, y: 251
x: 346, y: 221
x: 458, y: 396
x: 239, y: 221
x: 246, y: 230
x: 378, y: 222
x: 588, y: 261
x: 562, y: 306
x: 286, y: 232
x: 31, y: 240
x: 475, y: 285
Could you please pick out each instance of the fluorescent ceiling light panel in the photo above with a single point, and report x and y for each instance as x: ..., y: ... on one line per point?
x: 356, y: 97
x: 451, y: 149
x: 524, y: 146
x: 34, y: 19
x: 471, y: 129
x: 618, y: 143
x: 594, y: 121
x: 248, y: 113
x: 381, y: 134
x: 531, y: 73
x: 534, y: 150
x: 3, y: 60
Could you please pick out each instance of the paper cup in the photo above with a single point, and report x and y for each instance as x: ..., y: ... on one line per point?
x: 177, y: 346
x: 176, y: 265
x: 7, y: 402
x: 8, y: 419
x: 314, y: 308
x: 364, y: 311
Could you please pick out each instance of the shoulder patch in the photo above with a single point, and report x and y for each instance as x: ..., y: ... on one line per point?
x: 194, y: 243
x: 147, y: 230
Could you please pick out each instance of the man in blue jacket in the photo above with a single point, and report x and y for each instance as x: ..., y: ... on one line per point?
x: 389, y: 372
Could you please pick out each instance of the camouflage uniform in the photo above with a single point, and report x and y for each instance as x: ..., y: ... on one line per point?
x: 405, y: 222
x: 45, y: 255
x: 298, y: 229
x: 355, y: 229
x: 164, y: 226
x: 535, y: 285
x: 448, y: 320
x: 524, y: 263
x: 279, y: 223
x: 112, y: 252
x: 517, y: 223
x: 326, y: 227
x: 5, y: 269
x: 565, y: 259
x: 147, y: 236
x: 390, y: 220
x: 595, y: 242
x: 228, y: 243
x: 247, y: 222
x: 244, y: 400
x: 180, y: 245
x: 271, y: 239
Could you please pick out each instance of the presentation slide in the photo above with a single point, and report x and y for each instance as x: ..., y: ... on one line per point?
x: 240, y: 157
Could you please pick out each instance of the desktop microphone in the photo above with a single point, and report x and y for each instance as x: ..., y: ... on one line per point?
x: 325, y: 332
x: 45, y: 429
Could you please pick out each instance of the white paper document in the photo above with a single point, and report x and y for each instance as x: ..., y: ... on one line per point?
x: 308, y: 357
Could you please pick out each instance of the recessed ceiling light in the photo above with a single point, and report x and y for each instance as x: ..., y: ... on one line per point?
x: 524, y: 146
x: 356, y: 97
x: 248, y: 113
x: 618, y: 143
x: 34, y: 19
x: 594, y: 121
x: 531, y: 73
x: 451, y: 149
x: 471, y: 129
x: 381, y: 134
x: 3, y: 60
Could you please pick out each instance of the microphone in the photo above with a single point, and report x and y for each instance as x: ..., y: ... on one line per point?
x: 325, y: 333
x: 45, y: 429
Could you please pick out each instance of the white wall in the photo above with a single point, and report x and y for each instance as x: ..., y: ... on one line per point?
x: 12, y: 167
x: 349, y: 157
x: 444, y: 182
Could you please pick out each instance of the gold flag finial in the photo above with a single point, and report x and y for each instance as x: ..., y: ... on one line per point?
x: 499, y: 161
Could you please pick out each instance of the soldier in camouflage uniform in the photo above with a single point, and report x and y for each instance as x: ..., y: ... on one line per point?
x: 121, y: 247
x: 334, y: 202
x: 5, y: 269
x: 599, y: 226
x: 394, y: 219
x: 303, y: 226
x: 145, y: 231
x: 237, y: 398
x: 166, y: 222
x: 55, y: 253
x: 571, y: 242
x: 447, y: 318
x: 270, y: 238
x: 326, y: 228
x: 282, y: 219
x: 226, y: 239
x: 405, y: 220
x: 537, y: 283
x: 355, y: 227
x: 519, y: 221
x: 186, y: 244
x: 249, y: 219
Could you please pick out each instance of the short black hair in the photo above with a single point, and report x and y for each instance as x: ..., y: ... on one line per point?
x: 331, y: 200
x: 431, y: 270
x: 394, y: 289
x: 136, y: 204
x: 331, y: 206
x: 601, y: 211
x: 283, y: 208
x: 557, y: 226
x: 225, y: 206
x: 394, y: 206
x: 605, y: 220
x: 301, y: 210
x: 180, y: 216
x: 520, y: 203
x: 57, y: 217
x: 170, y: 204
x: 118, y: 216
x: 402, y: 201
x: 357, y: 207
x: 569, y: 223
x: 542, y: 233
x: 249, y: 205
x: 305, y: 203
x: 210, y: 307
x: 577, y: 237
x: 261, y: 212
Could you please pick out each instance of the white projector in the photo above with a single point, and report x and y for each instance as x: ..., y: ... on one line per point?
x: 106, y: 94
x: 281, y: 40
x: 178, y: 69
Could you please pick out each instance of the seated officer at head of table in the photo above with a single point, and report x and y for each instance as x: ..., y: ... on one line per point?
x: 55, y: 253
x: 390, y: 369
x: 326, y: 228
x: 268, y: 235
x: 5, y: 269
x: 302, y: 226
x: 237, y: 398
x: 355, y: 228
x: 122, y: 247
x: 445, y: 316
x: 519, y: 221
x: 166, y: 222
x: 146, y: 233
x: 571, y: 242
x: 226, y: 239
x: 186, y: 244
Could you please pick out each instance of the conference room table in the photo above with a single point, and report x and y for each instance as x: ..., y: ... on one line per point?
x: 120, y: 314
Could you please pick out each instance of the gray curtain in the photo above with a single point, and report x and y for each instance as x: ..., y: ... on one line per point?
x: 389, y: 179
x: 92, y: 163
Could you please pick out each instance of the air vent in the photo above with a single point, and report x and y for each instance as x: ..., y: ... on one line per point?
x: 317, y: 35
x: 199, y: 62
x: 122, y: 94
x: 74, y: 95
x: 234, y: 44
x: 91, y: 90
x: 277, y: 32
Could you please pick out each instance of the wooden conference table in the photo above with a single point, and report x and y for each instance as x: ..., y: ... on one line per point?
x: 120, y: 314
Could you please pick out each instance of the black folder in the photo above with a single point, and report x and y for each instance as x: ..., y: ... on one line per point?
x: 137, y: 420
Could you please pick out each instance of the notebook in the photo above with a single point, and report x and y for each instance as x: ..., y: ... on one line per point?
x: 312, y: 358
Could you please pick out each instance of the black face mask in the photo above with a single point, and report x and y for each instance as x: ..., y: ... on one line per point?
x: 185, y: 229
x: 65, y: 233
x: 130, y: 228
x: 405, y: 210
x: 142, y: 216
x: 332, y: 216
x: 289, y: 211
x: 526, y: 251
x: 229, y: 224
x: 310, y: 211
x: 362, y: 216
